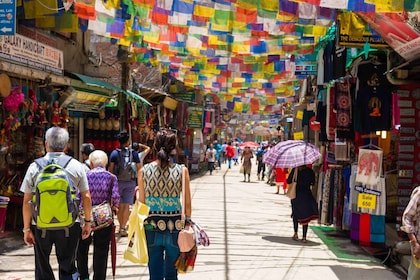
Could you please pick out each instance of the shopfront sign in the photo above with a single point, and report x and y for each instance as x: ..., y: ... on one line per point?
x: 366, y: 201
x: 195, y: 117
x: 400, y: 32
x: 7, y: 17
x: 306, y: 68
x: 28, y: 52
x: 188, y: 96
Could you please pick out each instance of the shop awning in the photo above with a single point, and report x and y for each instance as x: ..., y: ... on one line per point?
x: 135, y: 96
x: 97, y: 83
x: 87, y: 94
x: 84, y: 100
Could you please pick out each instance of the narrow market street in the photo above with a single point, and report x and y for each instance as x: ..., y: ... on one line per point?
x: 250, y: 230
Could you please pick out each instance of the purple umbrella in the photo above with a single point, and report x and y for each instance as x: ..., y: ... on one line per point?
x: 291, y: 153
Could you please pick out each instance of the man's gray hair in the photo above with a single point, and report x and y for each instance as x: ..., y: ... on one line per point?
x: 98, y: 158
x: 57, y: 138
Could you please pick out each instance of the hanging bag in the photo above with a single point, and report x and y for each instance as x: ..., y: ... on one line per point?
x: 186, y: 239
x: 291, y: 190
x: 102, y: 215
x: 136, y: 249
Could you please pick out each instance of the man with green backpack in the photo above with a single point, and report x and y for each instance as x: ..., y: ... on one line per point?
x: 50, y: 210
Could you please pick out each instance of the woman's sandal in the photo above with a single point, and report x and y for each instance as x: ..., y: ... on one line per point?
x: 304, y: 240
x: 295, y: 237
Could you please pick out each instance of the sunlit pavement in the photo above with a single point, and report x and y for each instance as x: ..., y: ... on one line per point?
x: 250, y: 230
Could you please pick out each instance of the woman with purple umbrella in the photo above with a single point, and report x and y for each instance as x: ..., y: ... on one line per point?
x: 304, y: 206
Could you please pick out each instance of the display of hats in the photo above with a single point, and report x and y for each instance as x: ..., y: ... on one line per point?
x: 95, y: 124
x: 89, y: 123
x: 116, y: 124
x: 5, y: 85
x: 109, y: 125
x: 101, y: 113
x: 102, y: 124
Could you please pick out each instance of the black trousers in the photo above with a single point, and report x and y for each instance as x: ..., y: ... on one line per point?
x: 261, y: 168
x: 65, y: 249
x: 101, y: 239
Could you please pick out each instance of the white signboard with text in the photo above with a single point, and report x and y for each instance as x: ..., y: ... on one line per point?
x: 28, y: 52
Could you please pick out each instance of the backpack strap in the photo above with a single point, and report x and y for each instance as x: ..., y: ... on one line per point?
x: 121, y: 157
x: 64, y: 160
x: 42, y: 162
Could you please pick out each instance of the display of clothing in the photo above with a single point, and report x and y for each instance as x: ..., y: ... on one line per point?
x: 343, y: 109
x: 375, y: 106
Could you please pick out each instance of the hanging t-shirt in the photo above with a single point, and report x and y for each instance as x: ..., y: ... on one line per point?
x: 339, y: 62
x: 375, y: 106
x: 372, y: 74
x: 321, y: 114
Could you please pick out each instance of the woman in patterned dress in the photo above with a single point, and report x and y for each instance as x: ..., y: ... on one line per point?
x: 159, y: 187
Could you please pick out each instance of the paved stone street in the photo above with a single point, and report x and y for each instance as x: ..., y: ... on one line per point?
x: 250, y: 230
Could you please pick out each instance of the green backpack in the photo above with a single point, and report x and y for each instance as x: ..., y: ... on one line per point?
x: 54, y: 202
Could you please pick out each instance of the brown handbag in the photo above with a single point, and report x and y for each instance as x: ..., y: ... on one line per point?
x: 291, y: 189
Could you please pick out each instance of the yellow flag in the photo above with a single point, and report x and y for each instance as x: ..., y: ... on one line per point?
x: 237, y: 107
x: 228, y: 97
x: 269, y: 5
x: 111, y: 4
x: 203, y: 11
x: 151, y: 37
x: 46, y: 7
x: 47, y: 22
x: 29, y: 9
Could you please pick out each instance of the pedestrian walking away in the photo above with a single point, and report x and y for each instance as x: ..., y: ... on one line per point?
x: 230, y: 153
x: 219, y: 149
x: 224, y: 156
x: 211, y: 158
x: 246, y: 157
x: 304, y: 206
x: 237, y: 151
x: 125, y: 164
x: 103, y: 186
x: 155, y: 181
x: 64, y: 240
x: 260, y: 164
x: 86, y: 149
x: 281, y: 179
x: 145, y: 150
